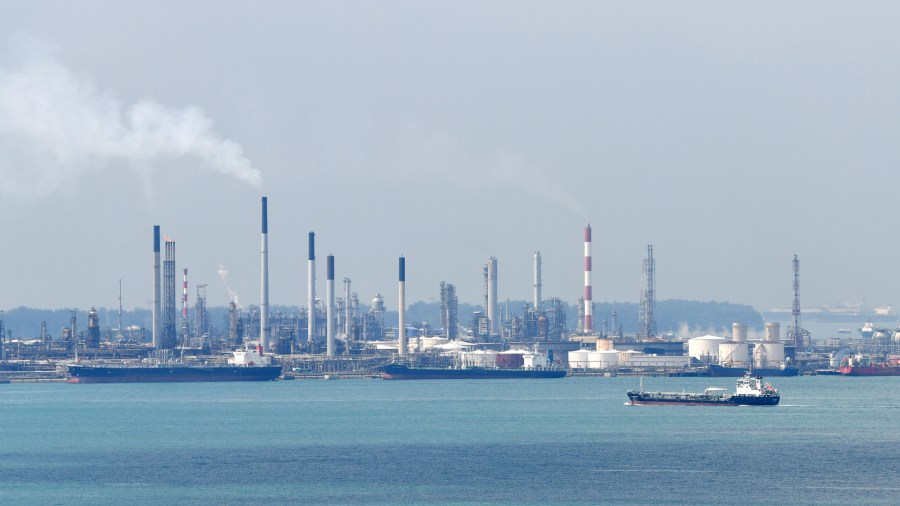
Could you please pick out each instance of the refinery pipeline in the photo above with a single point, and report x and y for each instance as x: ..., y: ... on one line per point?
x: 339, y: 337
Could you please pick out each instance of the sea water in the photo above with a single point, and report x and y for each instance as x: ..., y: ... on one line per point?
x: 832, y: 440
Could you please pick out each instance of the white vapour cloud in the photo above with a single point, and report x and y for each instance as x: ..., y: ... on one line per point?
x: 56, y: 126
x: 232, y: 293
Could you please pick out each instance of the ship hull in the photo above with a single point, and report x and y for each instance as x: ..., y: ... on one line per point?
x: 401, y: 372
x: 650, y: 399
x: 89, y: 374
x: 870, y: 371
x: 718, y: 371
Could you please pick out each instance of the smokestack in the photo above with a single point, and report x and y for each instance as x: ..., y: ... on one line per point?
x: 347, y: 311
x: 184, y: 304
x: 537, y: 281
x: 493, y: 308
x: 588, y: 299
x: 401, y: 331
x: 329, y: 308
x: 156, y: 287
x: 264, y: 284
x: 311, y: 290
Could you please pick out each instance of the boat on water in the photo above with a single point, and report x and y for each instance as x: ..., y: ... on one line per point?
x: 749, y: 391
x: 246, y: 365
x: 864, y: 365
x: 720, y: 371
x: 405, y: 372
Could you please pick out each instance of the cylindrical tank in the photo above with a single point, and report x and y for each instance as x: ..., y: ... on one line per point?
x: 606, y: 359
x: 768, y: 354
x: 739, y: 332
x: 604, y: 344
x: 579, y: 359
x: 705, y: 348
x: 773, y: 331
x: 734, y: 354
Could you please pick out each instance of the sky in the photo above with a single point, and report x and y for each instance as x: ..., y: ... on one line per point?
x: 729, y: 135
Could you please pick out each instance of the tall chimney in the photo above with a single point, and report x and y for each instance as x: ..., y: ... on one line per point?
x: 347, y: 311
x: 156, y: 288
x: 311, y: 290
x: 264, y: 285
x: 588, y: 299
x: 493, y: 308
x: 537, y: 281
x: 401, y: 331
x: 329, y: 308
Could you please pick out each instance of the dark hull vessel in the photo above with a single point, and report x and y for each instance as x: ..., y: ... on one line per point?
x: 698, y: 399
x: 718, y: 371
x: 402, y: 372
x: 750, y: 391
x: 165, y: 374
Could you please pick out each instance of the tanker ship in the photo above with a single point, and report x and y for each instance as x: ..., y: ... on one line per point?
x: 861, y: 365
x: 246, y: 365
x: 749, y: 391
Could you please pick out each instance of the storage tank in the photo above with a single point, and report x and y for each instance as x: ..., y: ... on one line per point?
x: 734, y: 354
x: 579, y: 359
x: 606, y: 359
x: 705, y: 348
x: 739, y: 332
x: 773, y: 331
x: 768, y: 354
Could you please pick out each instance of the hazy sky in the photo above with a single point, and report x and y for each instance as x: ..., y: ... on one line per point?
x: 729, y: 135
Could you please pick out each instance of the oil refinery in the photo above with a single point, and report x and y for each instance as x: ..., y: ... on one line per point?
x: 339, y: 336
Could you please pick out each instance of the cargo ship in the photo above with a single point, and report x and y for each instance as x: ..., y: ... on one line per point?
x: 247, y: 365
x: 749, y: 391
x: 404, y: 372
x: 720, y: 371
x: 860, y: 365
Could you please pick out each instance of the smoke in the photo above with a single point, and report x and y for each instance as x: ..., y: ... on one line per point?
x: 232, y: 294
x: 57, y: 126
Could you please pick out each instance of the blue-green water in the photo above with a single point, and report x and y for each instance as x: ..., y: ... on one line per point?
x: 832, y: 440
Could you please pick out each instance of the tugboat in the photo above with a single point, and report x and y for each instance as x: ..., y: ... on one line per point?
x: 750, y: 391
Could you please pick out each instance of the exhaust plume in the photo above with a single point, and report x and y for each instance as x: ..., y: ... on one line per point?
x: 232, y: 293
x: 57, y: 125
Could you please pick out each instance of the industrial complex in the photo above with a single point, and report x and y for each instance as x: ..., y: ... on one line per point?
x: 339, y: 336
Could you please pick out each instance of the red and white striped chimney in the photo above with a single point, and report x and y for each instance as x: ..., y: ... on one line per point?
x: 588, y: 306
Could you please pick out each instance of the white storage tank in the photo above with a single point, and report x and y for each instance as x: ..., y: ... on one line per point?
x: 705, y: 348
x: 768, y: 354
x: 606, y: 359
x: 579, y: 359
x: 739, y: 332
x: 773, y: 331
x: 734, y: 354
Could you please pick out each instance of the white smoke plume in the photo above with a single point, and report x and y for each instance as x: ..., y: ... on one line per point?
x: 232, y: 293
x: 56, y: 126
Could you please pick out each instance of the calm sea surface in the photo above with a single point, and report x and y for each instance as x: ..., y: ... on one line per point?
x: 832, y: 440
